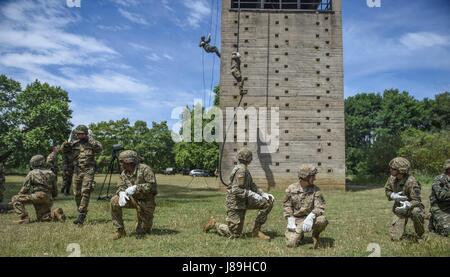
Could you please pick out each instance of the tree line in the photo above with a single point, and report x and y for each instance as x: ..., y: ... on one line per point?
x: 378, y: 128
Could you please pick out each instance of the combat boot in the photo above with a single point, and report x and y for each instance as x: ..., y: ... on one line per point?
x: 257, y: 233
x: 80, y: 220
x: 316, y: 241
x: 120, y: 233
x: 209, y: 225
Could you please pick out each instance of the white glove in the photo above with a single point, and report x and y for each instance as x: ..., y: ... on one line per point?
x: 123, y: 198
x: 255, y: 196
x: 291, y: 224
x: 131, y: 190
x: 308, y: 222
x: 398, y: 196
x: 406, y: 205
x: 269, y: 197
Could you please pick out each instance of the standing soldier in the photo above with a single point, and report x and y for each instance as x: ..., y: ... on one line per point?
x: 440, y: 203
x: 83, y: 151
x: 304, y: 207
x: 38, y: 189
x: 136, y: 189
x: 67, y: 169
x: 52, y: 162
x: 242, y: 195
x: 404, y: 190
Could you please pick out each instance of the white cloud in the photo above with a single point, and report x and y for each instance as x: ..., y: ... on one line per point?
x: 166, y: 5
x: 153, y: 57
x: 133, y: 17
x: 167, y: 56
x: 424, y: 40
x: 139, y: 46
x: 198, y: 10
x: 126, y: 3
x: 113, y: 28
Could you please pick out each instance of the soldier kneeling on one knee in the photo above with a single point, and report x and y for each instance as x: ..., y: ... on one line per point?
x: 38, y: 189
x: 440, y: 203
x: 242, y: 195
x: 304, y: 207
x: 404, y: 190
x: 136, y: 189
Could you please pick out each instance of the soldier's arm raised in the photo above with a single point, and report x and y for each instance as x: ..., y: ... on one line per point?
x: 96, y: 145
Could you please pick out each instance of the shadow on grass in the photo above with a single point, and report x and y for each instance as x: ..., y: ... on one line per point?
x: 324, y: 242
x: 160, y: 232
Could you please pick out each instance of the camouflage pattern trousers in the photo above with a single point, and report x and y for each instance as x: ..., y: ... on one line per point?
x: 67, y: 175
x: 440, y: 221
x: 144, y: 208
x: 399, y: 222
x: 41, y: 201
x: 83, y: 186
x: 293, y: 238
x: 235, y: 218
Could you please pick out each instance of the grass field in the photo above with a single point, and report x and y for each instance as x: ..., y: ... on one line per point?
x: 357, y: 218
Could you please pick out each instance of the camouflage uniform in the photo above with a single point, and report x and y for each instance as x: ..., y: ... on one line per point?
x: 204, y: 43
x: 236, y: 70
x: 410, y: 188
x: 83, y: 153
x: 2, y: 181
x: 52, y: 163
x: 300, y: 202
x: 67, y: 172
x: 143, y: 200
x: 440, y: 203
x: 238, y: 202
x: 38, y: 189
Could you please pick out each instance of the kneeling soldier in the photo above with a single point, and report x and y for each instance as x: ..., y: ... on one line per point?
x: 38, y: 189
x: 304, y: 208
x: 136, y: 190
x: 404, y: 190
x: 440, y: 203
x: 243, y: 195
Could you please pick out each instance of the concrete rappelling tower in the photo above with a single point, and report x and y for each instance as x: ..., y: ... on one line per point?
x: 292, y: 58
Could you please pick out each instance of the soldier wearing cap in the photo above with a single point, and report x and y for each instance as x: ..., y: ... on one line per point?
x: 403, y: 188
x: 83, y: 151
x: 440, y: 203
x: 136, y: 189
x: 38, y: 189
x: 242, y: 195
x: 304, y: 208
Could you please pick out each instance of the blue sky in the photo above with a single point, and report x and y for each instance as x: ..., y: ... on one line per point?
x: 140, y: 59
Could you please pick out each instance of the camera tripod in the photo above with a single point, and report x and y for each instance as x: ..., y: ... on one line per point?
x: 114, y: 163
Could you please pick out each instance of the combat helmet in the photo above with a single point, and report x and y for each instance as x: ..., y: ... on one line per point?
x: 37, y: 161
x: 307, y: 170
x: 245, y: 155
x: 129, y: 156
x: 81, y: 129
x: 401, y: 164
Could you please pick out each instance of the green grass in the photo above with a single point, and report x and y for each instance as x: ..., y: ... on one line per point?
x: 357, y: 218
